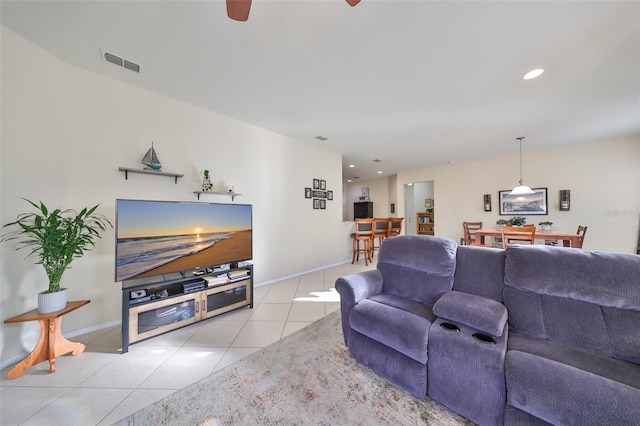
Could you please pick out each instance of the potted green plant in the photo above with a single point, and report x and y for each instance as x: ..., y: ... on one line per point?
x: 502, y: 222
x: 546, y: 225
x: 206, y: 181
x: 518, y: 220
x: 55, y: 238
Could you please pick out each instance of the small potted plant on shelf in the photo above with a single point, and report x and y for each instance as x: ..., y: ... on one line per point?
x: 55, y: 238
x: 206, y: 182
x: 546, y: 225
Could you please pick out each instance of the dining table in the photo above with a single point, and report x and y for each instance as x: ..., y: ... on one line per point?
x: 569, y: 239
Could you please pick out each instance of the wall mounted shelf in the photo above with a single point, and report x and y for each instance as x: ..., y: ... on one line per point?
x: 128, y: 170
x: 231, y: 194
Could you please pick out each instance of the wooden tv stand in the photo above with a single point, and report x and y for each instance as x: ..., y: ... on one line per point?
x: 157, y: 307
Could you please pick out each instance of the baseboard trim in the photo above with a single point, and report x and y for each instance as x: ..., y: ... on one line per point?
x: 297, y: 274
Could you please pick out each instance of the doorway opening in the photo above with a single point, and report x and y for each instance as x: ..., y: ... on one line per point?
x: 418, y: 196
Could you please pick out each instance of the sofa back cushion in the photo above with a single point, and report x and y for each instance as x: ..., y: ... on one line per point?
x: 586, y: 299
x: 480, y: 271
x: 417, y: 267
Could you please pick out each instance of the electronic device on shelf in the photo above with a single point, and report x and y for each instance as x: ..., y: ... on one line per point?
x: 194, y: 286
x: 136, y: 294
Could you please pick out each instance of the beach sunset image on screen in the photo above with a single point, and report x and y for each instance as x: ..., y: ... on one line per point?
x: 159, y: 237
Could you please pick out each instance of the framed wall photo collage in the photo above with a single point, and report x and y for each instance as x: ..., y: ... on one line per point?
x: 319, y: 194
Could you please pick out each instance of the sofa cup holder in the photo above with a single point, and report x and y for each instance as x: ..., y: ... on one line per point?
x: 484, y: 338
x: 450, y: 327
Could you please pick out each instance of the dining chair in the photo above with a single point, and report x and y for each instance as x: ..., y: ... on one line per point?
x: 525, y: 234
x: 364, y: 234
x: 395, y: 227
x: 582, y: 230
x: 526, y: 225
x: 470, y: 229
x: 380, y: 231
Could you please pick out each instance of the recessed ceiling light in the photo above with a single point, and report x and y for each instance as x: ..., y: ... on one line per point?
x: 321, y: 138
x: 349, y: 180
x: 379, y: 172
x: 352, y: 165
x: 533, y: 74
x: 410, y: 184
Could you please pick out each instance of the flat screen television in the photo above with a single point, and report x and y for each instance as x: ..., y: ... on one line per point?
x: 161, y: 237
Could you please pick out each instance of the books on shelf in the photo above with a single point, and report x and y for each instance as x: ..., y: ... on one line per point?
x: 238, y: 274
x: 218, y: 279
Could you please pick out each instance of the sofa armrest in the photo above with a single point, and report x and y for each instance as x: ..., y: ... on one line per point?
x: 485, y: 315
x: 355, y: 287
x: 352, y: 289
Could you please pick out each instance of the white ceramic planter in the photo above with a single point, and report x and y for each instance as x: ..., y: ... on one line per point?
x: 52, y: 302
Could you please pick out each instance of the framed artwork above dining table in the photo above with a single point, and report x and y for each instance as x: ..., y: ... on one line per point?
x: 530, y: 204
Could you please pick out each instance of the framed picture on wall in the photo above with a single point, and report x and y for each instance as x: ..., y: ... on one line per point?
x: 532, y: 204
x: 323, y: 185
x: 329, y: 195
x: 307, y: 193
x: 316, y: 184
x: 316, y: 203
x: 428, y: 203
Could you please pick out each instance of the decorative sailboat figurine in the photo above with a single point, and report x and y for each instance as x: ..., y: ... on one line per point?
x: 150, y: 159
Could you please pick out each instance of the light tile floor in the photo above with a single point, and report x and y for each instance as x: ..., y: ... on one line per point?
x: 101, y: 385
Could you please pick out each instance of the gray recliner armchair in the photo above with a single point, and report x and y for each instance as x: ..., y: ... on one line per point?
x: 387, y: 312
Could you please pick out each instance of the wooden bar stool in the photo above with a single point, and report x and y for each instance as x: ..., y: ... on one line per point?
x: 395, y: 227
x: 364, y: 233
x: 380, y: 231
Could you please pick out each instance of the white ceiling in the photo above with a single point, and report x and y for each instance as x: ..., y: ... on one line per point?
x: 413, y: 83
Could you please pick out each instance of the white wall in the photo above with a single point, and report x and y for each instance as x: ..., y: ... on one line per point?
x: 378, y: 194
x: 603, y: 176
x: 65, y: 132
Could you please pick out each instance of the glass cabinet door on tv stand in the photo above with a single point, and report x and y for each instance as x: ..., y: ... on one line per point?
x: 152, y: 309
x: 159, y: 317
x: 218, y: 300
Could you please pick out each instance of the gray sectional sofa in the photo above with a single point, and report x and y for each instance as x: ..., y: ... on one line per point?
x: 532, y: 335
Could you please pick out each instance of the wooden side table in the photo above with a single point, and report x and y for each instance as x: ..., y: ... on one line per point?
x: 51, y: 343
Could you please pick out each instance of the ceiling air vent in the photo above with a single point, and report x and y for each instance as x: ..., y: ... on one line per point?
x: 117, y: 60
x: 131, y: 66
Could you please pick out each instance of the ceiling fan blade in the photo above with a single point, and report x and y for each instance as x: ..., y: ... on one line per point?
x: 353, y: 2
x: 238, y: 10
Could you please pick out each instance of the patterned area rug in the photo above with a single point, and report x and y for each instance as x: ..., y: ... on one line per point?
x: 306, y: 378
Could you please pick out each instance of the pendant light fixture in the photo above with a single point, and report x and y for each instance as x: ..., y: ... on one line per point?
x: 521, y: 189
